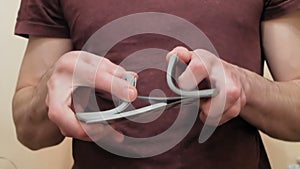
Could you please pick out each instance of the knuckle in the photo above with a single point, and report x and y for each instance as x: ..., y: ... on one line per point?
x: 243, y: 99
x: 80, y: 134
x: 53, y: 84
x: 65, y: 63
x: 203, y: 117
x: 205, y: 107
x: 204, y: 53
x: 103, y: 80
x: 102, y: 67
x: 52, y: 114
x: 87, y: 58
x: 197, y: 66
x: 104, y: 62
x: 119, y: 71
x: 204, y: 111
x: 234, y: 111
x: 233, y: 93
x: 182, y: 52
x: 86, y: 78
x: 64, y: 133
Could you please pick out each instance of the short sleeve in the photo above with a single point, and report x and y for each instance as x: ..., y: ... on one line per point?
x: 41, y: 18
x: 277, y: 8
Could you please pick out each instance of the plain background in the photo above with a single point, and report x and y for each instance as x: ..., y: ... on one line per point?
x: 12, y: 48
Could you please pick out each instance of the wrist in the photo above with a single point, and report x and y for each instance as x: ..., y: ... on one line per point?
x: 250, y: 85
x: 256, y: 87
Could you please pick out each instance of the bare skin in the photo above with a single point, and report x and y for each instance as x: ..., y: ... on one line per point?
x: 42, y: 101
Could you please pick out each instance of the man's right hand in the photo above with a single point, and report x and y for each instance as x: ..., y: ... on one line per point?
x: 76, y: 69
x: 42, y: 101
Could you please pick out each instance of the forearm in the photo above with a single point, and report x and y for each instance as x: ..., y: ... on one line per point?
x: 273, y: 107
x: 34, y: 129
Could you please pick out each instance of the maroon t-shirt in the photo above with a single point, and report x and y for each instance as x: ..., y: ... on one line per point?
x: 233, y: 28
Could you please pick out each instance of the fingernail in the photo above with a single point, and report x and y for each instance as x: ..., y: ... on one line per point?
x: 135, y: 74
x: 132, y: 74
x: 131, y: 93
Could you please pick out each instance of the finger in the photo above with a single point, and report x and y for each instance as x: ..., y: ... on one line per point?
x: 211, y: 114
x: 193, y: 74
x: 116, y: 86
x: 106, y: 65
x: 95, y: 63
x: 205, y: 110
x: 212, y: 121
x: 233, y: 93
x: 85, y: 73
x: 101, y: 131
x: 229, y: 114
x: 208, y: 58
x: 59, y: 97
x: 65, y: 119
x: 183, y: 53
x: 203, y: 116
x: 60, y: 113
x: 105, y: 76
x: 112, y: 80
x: 232, y: 112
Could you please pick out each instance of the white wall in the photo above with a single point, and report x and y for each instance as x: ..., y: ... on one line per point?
x: 281, y: 153
x: 12, y: 48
